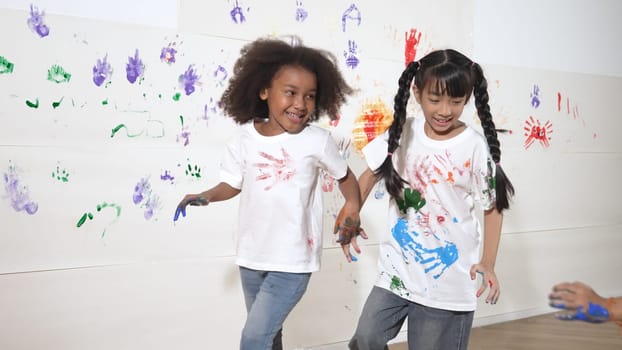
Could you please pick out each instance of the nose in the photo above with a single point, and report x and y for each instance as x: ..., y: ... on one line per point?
x: 444, y: 109
x: 300, y: 102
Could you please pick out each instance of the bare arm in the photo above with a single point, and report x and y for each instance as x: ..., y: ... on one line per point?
x: 220, y: 192
x: 367, y: 180
x: 486, y: 267
x: 349, y: 188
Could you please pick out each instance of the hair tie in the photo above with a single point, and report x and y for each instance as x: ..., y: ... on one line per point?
x: 389, y: 154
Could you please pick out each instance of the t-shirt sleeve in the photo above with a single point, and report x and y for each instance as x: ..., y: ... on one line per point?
x: 484, y: 178
x: 375, y: 152
x: 231, y: 164
x: 332, y: 161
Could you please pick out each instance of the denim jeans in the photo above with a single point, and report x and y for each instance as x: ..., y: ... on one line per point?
x: 269, y: 296
x: 428, y: 328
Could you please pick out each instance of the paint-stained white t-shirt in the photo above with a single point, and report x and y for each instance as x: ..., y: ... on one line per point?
x: 434, y: 235
x: 280, y: 212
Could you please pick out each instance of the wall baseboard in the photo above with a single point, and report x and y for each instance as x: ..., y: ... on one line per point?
x: 477, y: 322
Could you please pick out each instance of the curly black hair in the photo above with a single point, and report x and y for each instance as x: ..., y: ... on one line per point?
x: 261, y: 59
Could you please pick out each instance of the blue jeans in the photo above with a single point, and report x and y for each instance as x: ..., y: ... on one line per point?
x: 428, y: 328
x: 269, y: 296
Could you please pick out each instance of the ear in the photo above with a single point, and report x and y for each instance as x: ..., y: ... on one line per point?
x: 263, y: 94
x: 417, y: 94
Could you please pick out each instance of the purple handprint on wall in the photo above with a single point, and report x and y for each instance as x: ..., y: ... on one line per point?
x: 135, y: 68
x: 18, y: 193
x: 351, y: 60
x: 188, y: 80
x: 301, y: 13
x: 35, y: 22
x: 101, y: 71
x: 237, y: 14
x: 351, y: 14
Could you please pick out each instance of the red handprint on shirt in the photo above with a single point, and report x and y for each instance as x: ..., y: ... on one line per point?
x: 278, y: 170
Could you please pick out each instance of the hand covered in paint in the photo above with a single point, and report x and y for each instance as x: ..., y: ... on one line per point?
x: 489, y: 280
x: 581, y: 300
x: 189, y: 199
x: 348, y: 228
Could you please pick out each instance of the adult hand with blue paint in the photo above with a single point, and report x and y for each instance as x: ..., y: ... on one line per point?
x: 584, y: 304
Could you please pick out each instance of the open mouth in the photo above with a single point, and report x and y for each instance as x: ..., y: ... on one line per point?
x: 294, y: 117
x: 443, y: 121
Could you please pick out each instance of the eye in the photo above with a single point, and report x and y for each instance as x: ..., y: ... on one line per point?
x: 310, y: 97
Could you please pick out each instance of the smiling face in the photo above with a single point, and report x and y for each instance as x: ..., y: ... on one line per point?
x: 291, y: 101
x: 441, y: 111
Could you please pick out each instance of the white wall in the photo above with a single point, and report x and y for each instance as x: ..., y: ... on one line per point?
x: 128, y: 282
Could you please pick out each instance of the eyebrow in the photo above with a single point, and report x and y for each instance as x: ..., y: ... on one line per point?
x: 296, y: 87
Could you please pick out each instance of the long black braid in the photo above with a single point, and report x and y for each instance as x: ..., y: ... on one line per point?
x: 392, y: 179
x: 503, y: 186
x: 459, y: 77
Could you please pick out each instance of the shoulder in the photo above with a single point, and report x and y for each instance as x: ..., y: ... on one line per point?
x: 475, y: 135
x: 315, y: 132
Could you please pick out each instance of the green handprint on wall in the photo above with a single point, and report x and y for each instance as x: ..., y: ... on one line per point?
x: 194, y: 171
x: 57, y: 74
x: 412, y: 199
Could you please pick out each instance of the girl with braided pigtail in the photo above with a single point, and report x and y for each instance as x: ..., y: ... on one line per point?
x: 436, y: 168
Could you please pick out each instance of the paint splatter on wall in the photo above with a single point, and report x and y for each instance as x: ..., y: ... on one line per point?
x: 373, y: 120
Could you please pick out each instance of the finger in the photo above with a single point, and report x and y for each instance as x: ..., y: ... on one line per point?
x: 362, y: 233
x: 342, y: 238
x: 180, y: 210
x: 345, y: 236
x: 480, y: 290
x: 355, y: 245
x: 563, y: 287
x: 482, y: 287
x: 346, y: 252
x: 493, y: 296
x: 557, y: 303
x: 473, y: 272
x: 337, y: 227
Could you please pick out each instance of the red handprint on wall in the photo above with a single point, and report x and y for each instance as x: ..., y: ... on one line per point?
x: 412, y: 41
x: 535, y: 131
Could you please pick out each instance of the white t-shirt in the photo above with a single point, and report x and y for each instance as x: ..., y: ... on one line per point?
x: 435, y: 238
x: 280, y: 213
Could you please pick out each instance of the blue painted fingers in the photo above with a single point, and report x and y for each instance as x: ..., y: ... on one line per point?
x: 192, y: 200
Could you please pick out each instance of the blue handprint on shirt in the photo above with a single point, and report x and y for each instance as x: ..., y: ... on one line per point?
x: 433, y: 259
